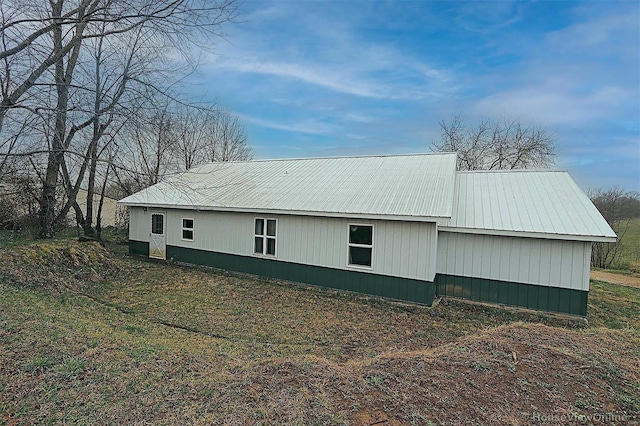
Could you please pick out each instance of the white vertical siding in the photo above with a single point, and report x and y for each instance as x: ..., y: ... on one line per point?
x: 216, y: 231
x: 554, y: 263
x: 139, y: 224
x: 402, y: 249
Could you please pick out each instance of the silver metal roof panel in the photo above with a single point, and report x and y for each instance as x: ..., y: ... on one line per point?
x: 531, y: 203
x: 411, y: 187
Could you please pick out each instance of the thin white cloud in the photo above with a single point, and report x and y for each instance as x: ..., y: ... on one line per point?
x: 552, y: 105
x: 599, y: 35
x: 483, y: 17
x: 312, y: 127
x: 309, y: 74
x: 359, y: 118
x: 328, y: 52
x: 351, y: 79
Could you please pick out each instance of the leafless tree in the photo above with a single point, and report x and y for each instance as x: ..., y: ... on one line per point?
x: 230, y: 139
x: 208, y: 135
x: 146, y: 154
x: 496, y: 145
x: 175, y: 139
x: 48, y: 75
x: 618, y: 207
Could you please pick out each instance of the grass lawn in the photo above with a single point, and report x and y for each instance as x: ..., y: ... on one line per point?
x: 89, y: 335
x: 629, y: 257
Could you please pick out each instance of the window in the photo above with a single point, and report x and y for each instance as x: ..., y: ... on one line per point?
x: 187, y: 229
x: 360, y: 245
x: 265, y: 236
x: 157, y: 224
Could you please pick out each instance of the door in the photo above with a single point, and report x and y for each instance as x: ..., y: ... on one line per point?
x: 157, y: 244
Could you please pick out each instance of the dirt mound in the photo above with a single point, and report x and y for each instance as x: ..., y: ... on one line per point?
x: 516, y: 374
x: 56, y: 265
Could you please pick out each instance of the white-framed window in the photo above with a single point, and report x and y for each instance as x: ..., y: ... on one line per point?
x: 264, y: 238
x: 187, y: 229
x: 360, y: 251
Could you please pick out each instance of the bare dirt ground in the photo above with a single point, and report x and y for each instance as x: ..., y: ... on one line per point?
x: 612, y: 278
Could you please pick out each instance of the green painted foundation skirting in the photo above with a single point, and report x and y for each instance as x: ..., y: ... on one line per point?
x: 359, y: 282
x: 530, y: 296
x: 552, y: 299
x: 139, y: 247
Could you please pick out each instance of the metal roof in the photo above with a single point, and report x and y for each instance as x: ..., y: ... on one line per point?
x: 548, y: 204
x: 408, y: 187
x: 424, y: 187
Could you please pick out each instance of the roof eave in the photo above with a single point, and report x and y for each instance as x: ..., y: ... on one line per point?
x: 528, y: 234
x: 348, y: 215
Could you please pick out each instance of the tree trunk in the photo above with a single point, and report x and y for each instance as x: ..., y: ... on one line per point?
x: 48, y: 200
x: 63, y: 77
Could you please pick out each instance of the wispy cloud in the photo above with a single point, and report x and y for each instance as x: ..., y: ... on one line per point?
x: 327, y: 78
x: 480, y: 17
x: 330, y: 55
x: 551, y: 105
x: 600, y: 36
x: 308, y: 126
x: 577, y: 75
x: 359, y: 118
x: 393, y: 81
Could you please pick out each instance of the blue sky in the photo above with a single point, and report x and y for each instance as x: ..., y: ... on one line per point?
x: 327, y: 78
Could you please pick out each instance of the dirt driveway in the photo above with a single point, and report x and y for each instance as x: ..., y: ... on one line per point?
x: 612, y: 278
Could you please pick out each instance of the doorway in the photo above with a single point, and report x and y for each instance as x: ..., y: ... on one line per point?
x: 157, y: 242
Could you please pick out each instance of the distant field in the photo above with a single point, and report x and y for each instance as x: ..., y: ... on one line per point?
x: 630, y: 254
x: 89, y: 335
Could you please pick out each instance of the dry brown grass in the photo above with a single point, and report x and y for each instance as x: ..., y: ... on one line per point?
x: 631, y: 279
x: 108, y: 339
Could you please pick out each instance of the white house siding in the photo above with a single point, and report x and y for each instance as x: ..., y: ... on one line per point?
x: 139, y: 224
x: 401, y: 249
x: 553, y: 263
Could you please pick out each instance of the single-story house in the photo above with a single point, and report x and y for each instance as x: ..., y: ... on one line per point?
x: 407, y: 227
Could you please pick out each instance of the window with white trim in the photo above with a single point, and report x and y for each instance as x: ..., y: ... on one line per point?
x: 360, y: 245
x: 187, y: 229
x: 265, y: 236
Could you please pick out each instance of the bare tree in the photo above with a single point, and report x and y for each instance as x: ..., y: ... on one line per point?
x: 230, y: 140
x: 174, y: 139
x: 46, y: 52
x: 146, y: 153
x: 618, y: 208
x: 496, y: 145
x: 208, y: 135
